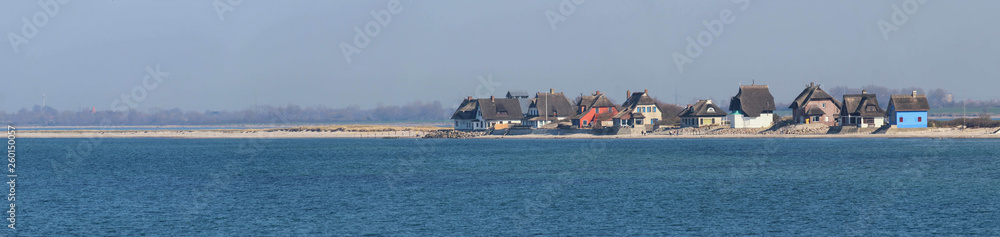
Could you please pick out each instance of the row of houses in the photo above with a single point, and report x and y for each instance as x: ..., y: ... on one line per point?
x: 814, y: 105
x: 752, y: 107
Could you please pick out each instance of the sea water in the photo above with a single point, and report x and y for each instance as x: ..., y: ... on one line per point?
x: 567, y: 187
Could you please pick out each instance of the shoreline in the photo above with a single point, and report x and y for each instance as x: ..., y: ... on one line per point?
x: 977, y: 133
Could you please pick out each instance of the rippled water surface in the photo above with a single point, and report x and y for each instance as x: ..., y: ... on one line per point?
x: 324, y: 187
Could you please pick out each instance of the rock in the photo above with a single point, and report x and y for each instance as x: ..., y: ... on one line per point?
x: 453, y: 134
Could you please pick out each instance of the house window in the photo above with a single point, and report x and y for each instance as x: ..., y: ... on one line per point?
x: 823, y: 105
x: 900, y: 119
x: 639, y: 122
x: 920, y: 119
x: 584, y: 122
x: 711, y: 110
x: 598, y: 110
x: 654, y: 109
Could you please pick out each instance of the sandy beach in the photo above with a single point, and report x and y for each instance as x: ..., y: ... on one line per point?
x: 972, y: 133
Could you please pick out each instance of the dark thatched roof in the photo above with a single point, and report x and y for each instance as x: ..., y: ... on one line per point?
x: 909, y: 102
x: 553, y: 105
x: 496, y: 109
x: 701, y: 109
x: 862, y: 105
x: 467, y: 110
x: 812, y: 93
x: 753, y: 100
x: 591, y: 101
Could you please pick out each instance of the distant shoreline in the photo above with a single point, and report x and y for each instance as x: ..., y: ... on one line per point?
x: 972, y: 133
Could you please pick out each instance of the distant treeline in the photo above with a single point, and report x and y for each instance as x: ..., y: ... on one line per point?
x: 415, y: 111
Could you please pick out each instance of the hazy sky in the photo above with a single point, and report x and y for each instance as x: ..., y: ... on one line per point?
x: 91, y: 52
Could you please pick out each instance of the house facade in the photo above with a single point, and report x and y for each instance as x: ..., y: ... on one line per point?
x: 908, y: 111
x: 483, y: 114
x: 814, y: 105
x: 639, y: 110
x: 702, y: 114
x: 548, y: 108
x: 752, y: 107
x: 595, y: 111
x: 861, y: 110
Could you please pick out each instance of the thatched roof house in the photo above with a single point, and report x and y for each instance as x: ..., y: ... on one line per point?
x: 862, y: 110
x: 479, y: 114
x: 703, y: 113
x: 814, y: 105
x: 752, y: 107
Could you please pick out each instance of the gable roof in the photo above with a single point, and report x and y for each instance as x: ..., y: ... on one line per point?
x: 862, y: 105
x: 909, y: 102
x: 596, y: 100
x: 752, y: 100
x: 467, y: 110
x: 700, y: 109
x: 553, y: 105
x: 636, y: 99
x: 639, y: 98
x: 492, y: 109
x: 812, y: 93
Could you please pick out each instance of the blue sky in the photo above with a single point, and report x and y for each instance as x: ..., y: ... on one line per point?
x: 223, y: 55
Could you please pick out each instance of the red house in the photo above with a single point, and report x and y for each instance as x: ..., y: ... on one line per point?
x: 595, y: 111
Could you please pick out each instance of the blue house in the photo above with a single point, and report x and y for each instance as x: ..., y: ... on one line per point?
x: 908, y: 111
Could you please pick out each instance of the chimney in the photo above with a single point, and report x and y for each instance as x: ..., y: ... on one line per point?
x: 552, y: 91
x: 812, y: 84
x: 492, y: 99
x: 597, y: 93
x: 470, y: 98
x: 914, y: 95
x: 645, y: 91
x: 864, y: 92
x: 628, y: 93
x: 689, y: 105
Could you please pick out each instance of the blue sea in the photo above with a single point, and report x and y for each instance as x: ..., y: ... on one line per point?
x: 508, y: 187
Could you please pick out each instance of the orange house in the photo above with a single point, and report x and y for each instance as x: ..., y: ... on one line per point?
x: 595, y: 111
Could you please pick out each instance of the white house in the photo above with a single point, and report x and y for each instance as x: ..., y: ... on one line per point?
x: 482, y: 114
x: 752, y: 107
